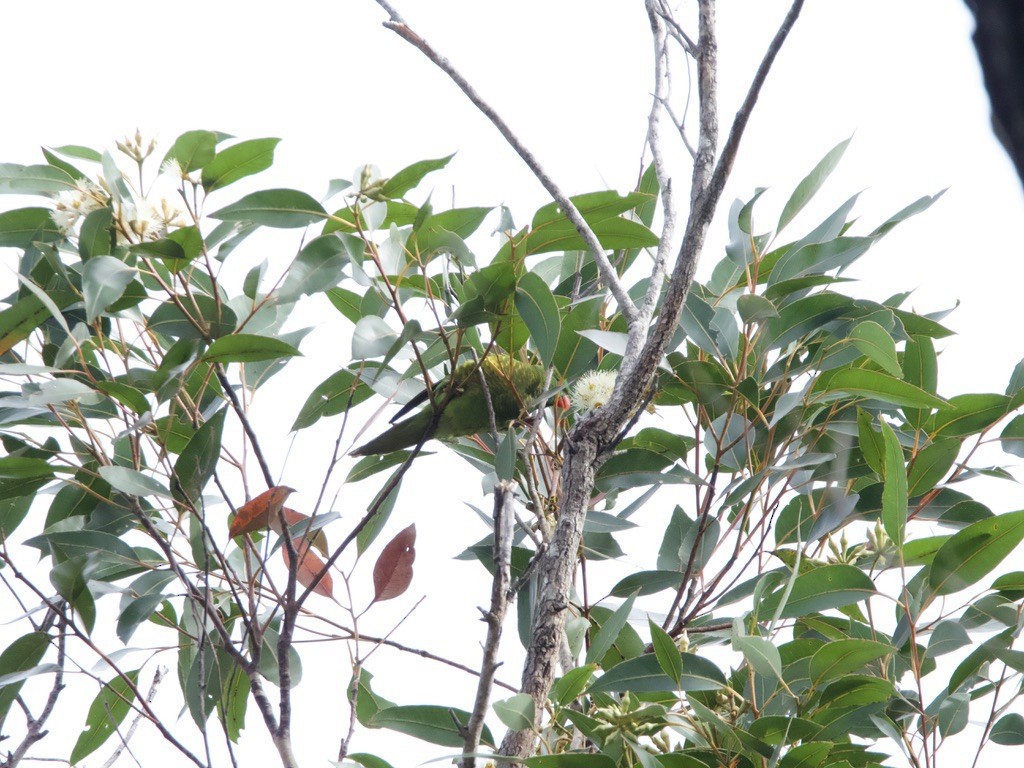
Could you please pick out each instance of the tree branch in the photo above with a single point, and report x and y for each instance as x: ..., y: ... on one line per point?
x: 503, y: 521
x: 588, y: 444
x: 398, y: 25
x: 35, y: 730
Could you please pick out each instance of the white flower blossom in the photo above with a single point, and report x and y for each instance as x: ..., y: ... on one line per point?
x: 77, y: 203
x: 146, y: 220
x: 64, y: 219
x: 593, y: 389
x: 171, y: 167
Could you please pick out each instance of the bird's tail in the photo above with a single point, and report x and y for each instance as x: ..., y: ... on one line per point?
x: 404, y: 434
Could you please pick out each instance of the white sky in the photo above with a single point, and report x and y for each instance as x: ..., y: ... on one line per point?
x: 572, y: 78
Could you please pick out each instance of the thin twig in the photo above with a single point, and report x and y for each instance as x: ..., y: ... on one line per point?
x: 36, y: 726
x: 236, y: 405
x: 157, y: 678
x: 504, y: 496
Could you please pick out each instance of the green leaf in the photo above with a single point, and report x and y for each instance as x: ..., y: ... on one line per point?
x: 282, y: 208
x: 811, y: 183
x: 947, y: 637
x: 104, y: 279
x: 1008, y: 730
x: 974, y: 552
x: 515, y: 712
x: 808, y: 755
x: 875, y: 343
x: 760, y: 653
x: 684, y: 541
x: 605, y: 637
x: 334, y: 395
x: 931, y: 465
x: 165, y: 249
x: 969, y: 414
x: 1012, y: 436
x: 830, y: 586
x: 894, y: 492
x: 78, y: 152
x: 142, y: 598
x: 318, y: 267
x: 872, y: 444
x: 238, y: 161
x: 107, y: 711
x: 570, y: 685
x: 96, y: 237
x: 755, y: 309
x: 431, y: 723
x: 372, y: 337
x: 537, y: 306
x: 838, y: 658
x: 805, y: 317
x: 59, y: 391
x: 133, y: 483
x: 347, y: 302
x: 24, y: 467
x: 410, y: 176
x: 22, y: 655
x: 69, y: 544
x: 248, y: 348
x: 34, y: 179
x: 644, y: 674
x: 552, y: 231
x: 369, y: 761
x: 19, y: 320
x: 23, y: 226
x: 572, y: 760
x: 193, y: 150
x: 669, y: 657
x: 647, y: 583
x: 197, y: 462
x: 920, y: 368
x: 505, y: 457
x: 215, y: 317
x: 862, y: 382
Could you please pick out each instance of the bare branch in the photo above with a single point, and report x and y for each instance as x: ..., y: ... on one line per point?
x: 739, y: 123
x: 503, y: 521
x: 661, y: 83
x: 398, y: 25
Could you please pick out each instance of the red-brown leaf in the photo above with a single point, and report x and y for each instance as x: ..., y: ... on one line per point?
x: 309, y: 566
x: 260, y: 511
x: 315, y: 537
x: 393, y: 571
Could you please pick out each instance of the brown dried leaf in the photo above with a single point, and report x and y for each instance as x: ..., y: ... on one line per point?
x: 309, y: 566
x: 260, y: 511
x: 317, y: 537
x: 392, y: 572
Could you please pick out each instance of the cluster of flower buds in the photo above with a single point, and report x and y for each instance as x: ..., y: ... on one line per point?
x: 629, y: 718
x: 843, y: 553
x: 371, y: 184
x: 133, y: 146
x: 730, y: 704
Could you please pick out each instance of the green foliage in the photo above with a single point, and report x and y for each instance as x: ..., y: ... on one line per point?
x: 800, y: 470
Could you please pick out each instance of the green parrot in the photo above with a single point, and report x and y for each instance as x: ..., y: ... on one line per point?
x: 513, y: 386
